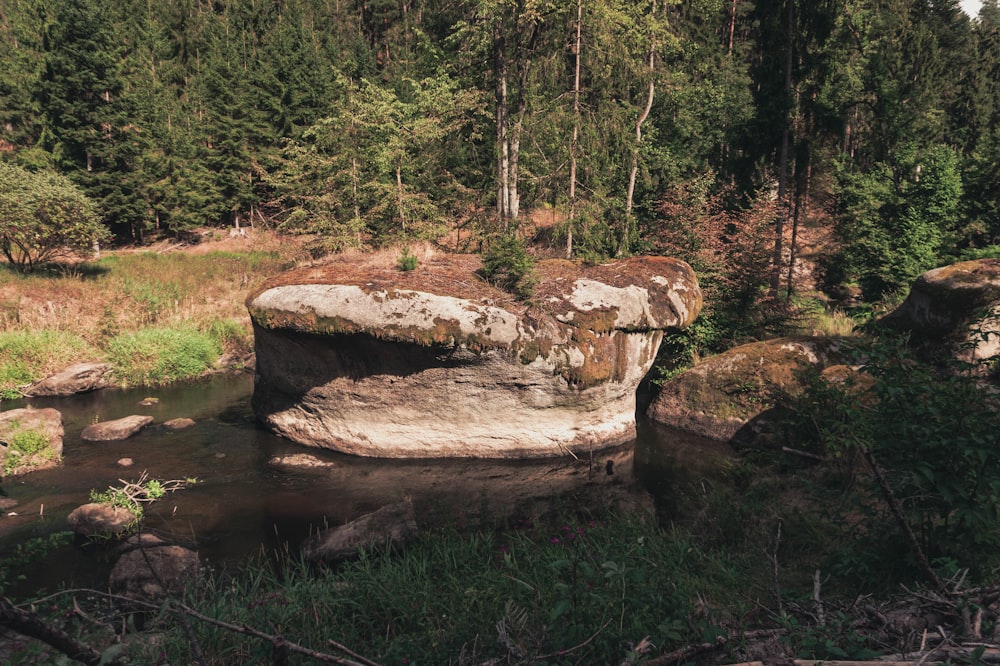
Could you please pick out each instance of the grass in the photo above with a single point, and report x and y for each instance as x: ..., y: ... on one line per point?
x: 24, y: 444
x: 591, y: 589
x: 29, y: 355
x: 103, y: 310
x: 161, y: 355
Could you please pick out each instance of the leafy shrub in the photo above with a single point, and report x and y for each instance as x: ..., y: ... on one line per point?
x: 161, y: 355
x: 934, y: 432
x: 44, y: 216
x: 508, y: 265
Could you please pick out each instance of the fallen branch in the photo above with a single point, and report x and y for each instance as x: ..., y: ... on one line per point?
x: 29, y: 624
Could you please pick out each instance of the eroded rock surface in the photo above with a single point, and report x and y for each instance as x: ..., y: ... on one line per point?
x: 955, y: 310
x: 30, y: 440
x: 433, y: 362
x: 722, y: 393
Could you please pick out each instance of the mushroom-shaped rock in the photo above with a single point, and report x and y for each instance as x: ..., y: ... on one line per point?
x: 722, y: 393
x: 954, y: 309
x: 109, y: 431
x: 78, y: 378
x: 393, y: 525
x: 434, y: 362
x: 30, y: 440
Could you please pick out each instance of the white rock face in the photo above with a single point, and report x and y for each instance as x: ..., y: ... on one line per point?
x: 393, y: 370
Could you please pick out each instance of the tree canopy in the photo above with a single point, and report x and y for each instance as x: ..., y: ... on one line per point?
x: 373, y: 122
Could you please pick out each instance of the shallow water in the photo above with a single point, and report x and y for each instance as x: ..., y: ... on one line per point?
x: 244, y: 505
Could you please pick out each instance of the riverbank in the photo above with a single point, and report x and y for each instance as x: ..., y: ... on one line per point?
x: 164, y: 313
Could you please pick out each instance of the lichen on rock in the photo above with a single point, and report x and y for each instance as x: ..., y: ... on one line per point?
x: 435, y: 362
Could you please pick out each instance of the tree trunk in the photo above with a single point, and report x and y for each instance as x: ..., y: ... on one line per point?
x: 576, y: 133
x: 779, y: 222
x: 627, y: 231
x: 503, y: 145
x: 801, y: 203
x: 399, y: 194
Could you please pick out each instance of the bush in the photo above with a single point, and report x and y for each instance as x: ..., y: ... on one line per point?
x: 407, y: 261
x: 507, y: 265
x: 44, y: 216
x: 161, y: 355
x: 934, y: 432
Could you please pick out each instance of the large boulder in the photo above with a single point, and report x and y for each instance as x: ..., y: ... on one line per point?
x: 79, y: 378
x: 30, y: 440
x: 954, y: 311
x: 434, y: 362
x: 723, y: 393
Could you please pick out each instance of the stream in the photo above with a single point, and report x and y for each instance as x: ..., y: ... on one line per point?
x: 243, y: 505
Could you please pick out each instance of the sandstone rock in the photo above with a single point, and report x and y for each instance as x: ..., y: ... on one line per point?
x: 107, y: 431
x: 436, y: 363
x: 125, y: 462
x: 148, y: 402
x: 30, y: 440
x: 722, y: 393
x: 79, y: 378
x: 391, y: 525
x: 178, y: 424
x: 99, y: 519
x: 150, y: 569
x: 947, y: 305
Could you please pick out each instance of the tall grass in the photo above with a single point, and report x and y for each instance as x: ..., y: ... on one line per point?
x: 161, y: 355
x: 591, y: 589
x: 26, y: 356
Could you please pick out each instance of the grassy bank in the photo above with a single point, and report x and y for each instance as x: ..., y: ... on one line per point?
x: 156, y: 316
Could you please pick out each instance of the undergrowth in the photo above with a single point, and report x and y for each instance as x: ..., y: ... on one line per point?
x: 592, y: 590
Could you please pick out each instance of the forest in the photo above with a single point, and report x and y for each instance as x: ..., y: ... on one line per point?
x: 641, y: 126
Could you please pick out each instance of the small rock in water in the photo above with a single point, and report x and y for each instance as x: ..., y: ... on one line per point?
x: 178, y: 424
x: 123, y: 428
x: 147, y: 402
x: 301, y: 461
x: 220, y: 456
x: 125, y: 462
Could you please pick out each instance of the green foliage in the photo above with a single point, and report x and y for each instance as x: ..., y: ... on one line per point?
x: 407, y: 261
x: 160, y: 355
x: 26, y: 552
x: 601, y: 583
x: 895, y: 217
x: 507, y: 265
x: 934, y: 433
x: 43, y: 216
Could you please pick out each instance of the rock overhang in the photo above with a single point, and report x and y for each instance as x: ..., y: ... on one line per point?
x: 364, y: 358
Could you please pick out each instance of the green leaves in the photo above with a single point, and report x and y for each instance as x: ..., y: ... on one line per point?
x: 43, y: 216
